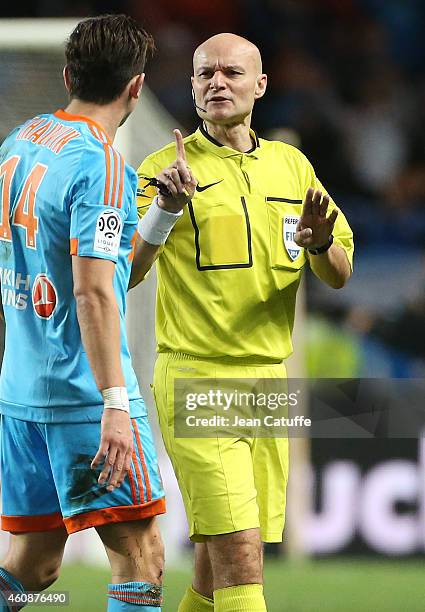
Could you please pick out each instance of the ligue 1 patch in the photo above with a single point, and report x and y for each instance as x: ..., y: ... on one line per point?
x: 289, y: 228
x: 44, y: 297
x: 108, y: 233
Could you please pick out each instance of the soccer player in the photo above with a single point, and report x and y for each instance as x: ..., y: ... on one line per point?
x: 227, y: 281
x: 76, y: 446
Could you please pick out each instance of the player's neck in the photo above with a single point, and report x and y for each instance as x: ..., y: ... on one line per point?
x: 236, y: 137
x: 106, y: 116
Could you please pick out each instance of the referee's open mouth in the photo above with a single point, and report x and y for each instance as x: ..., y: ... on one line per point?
x: 218, y: 99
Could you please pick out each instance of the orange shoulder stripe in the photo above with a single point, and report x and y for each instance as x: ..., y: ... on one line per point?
x: 115, y: 176
x: 97, y: 133
x: 115, y: 183
x: 113, y: 193
x: 91, y: 128
x: 106, y: 199
x: 121, y: 182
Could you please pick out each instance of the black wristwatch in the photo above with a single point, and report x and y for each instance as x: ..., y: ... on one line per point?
x: 323, y: 248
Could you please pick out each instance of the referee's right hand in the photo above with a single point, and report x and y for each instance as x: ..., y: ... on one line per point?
x: 178, y: 179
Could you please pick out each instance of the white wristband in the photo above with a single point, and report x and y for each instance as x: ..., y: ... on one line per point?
x: 116, y: 398
x: 156, y: 225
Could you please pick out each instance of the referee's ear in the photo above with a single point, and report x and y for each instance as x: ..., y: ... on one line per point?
x: 261, y: 86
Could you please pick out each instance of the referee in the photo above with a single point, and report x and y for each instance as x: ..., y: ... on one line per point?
x: 228, y: 274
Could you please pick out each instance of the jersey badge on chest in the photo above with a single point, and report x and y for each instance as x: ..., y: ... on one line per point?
x: 289, y: 228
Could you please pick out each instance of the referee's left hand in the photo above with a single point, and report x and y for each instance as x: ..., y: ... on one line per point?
x: 314, y: 228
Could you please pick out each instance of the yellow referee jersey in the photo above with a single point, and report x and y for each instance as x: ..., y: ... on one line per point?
x: 229, y: 271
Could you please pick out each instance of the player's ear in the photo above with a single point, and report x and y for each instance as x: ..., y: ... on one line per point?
x: 65, y: 74
x: 260, y: 86
x: 136, y: 85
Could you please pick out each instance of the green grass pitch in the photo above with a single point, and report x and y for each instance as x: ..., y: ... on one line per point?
x: 317, y: 586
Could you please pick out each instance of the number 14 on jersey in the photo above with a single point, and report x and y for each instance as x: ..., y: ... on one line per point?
x: 23, y: 214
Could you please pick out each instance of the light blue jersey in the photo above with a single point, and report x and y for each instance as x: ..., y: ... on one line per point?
x: 64, y: 190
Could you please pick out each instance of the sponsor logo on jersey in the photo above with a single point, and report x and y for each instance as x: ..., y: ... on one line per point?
x: 15, y: 288
x: 289, y: 228
x: 201, y: 188
x: 108, y: 233
x: 44, y: 297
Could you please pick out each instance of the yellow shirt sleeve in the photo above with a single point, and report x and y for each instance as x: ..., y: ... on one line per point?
x: 146, y: 192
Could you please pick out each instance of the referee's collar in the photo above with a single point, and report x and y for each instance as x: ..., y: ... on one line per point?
x: 210, y: 143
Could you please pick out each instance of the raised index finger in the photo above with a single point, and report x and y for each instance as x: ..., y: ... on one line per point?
x: 181, y: 153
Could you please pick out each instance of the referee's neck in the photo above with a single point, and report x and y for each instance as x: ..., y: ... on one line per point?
x: 236, y: 136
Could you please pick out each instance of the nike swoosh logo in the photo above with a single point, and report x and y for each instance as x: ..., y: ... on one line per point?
x: 199, y: 188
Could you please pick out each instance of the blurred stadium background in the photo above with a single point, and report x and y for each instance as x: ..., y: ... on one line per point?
x: 347, y: 86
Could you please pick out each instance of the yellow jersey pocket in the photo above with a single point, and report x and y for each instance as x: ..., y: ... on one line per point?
x: 283, y: 216
x: 222, y: 234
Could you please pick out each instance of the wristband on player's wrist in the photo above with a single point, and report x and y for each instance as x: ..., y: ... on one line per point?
x: 155, y: 226
x: 116, y: 398
x: 323, y: 248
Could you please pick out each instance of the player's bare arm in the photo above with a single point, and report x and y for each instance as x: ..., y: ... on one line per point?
x: 98, y: 317
x: 176, y: 186
x: 314, y: 233
x: 144, y: 258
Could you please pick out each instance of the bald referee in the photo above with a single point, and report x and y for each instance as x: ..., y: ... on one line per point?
x: 229, y: 265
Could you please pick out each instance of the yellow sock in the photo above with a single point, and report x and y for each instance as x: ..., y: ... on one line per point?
x: 195, y: 602
x: 242, y: 598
